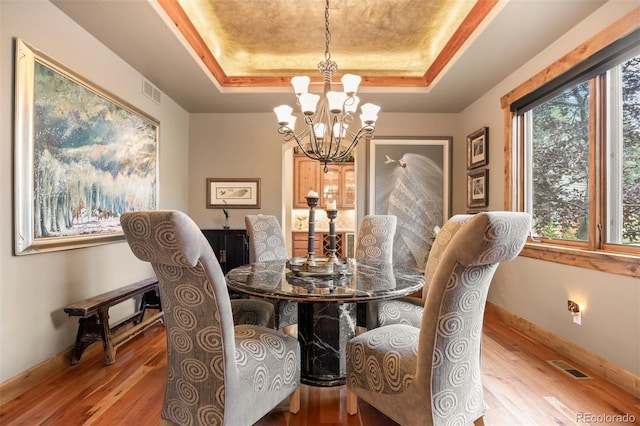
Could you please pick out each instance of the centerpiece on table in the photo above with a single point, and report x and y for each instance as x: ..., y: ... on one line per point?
x: 319, y: 266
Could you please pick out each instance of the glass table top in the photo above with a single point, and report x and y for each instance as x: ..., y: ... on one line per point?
x: 366, y: 281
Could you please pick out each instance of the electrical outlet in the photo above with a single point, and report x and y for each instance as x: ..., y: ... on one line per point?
x: 576, y: 315
x: 577, y: 318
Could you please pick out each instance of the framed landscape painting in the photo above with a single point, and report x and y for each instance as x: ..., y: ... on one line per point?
x: 411, y: 179
x: 82, y: 158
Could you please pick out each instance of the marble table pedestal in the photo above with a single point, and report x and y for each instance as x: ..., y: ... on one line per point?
x: 324, y: 328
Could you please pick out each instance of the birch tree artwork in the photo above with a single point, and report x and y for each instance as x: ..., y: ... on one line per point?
x: 93, y: 159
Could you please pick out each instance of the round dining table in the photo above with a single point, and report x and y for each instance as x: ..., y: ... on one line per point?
x: 327, y: 305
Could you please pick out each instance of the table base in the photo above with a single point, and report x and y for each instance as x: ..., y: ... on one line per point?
x: 323, y: 332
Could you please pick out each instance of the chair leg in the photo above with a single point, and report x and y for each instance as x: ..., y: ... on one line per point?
x: 479, y: 422
x: 291, y: 330
x: 294, y: 401
x: 352, y: 402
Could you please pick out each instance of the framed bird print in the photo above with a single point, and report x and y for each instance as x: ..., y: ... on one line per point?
x: 410, y: 178
x: 233, y: 193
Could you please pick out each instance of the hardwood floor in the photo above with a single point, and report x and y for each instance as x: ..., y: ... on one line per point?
x: 521, y: 388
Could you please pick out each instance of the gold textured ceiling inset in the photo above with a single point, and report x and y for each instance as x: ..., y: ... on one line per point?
x: 265, y: 42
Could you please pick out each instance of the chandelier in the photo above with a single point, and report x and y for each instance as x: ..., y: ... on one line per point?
x: 329, y: 133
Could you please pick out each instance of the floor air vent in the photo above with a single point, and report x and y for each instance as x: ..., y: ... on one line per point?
x: 569, y: 369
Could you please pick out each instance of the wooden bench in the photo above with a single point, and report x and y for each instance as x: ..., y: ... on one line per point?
x: 94, y: 326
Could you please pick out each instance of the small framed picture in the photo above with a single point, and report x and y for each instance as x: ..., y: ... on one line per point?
x: 478, y: 148
x: 478, y: 188
x: 233, y: 193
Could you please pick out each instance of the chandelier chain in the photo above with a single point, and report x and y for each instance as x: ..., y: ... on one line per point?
x: 327, y: 34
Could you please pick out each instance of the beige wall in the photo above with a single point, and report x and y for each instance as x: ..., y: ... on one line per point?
x: 234, y: 146
x: 34, y: 289
x: 536, y: 290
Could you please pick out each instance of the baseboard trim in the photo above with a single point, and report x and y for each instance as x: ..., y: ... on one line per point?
x: 24, y: 381
x: 612, y: 373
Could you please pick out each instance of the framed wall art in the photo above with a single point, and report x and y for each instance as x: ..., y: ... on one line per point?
x: 411, y: 179
x: 233, y: 193
x: 478, y: 188
x: 478, y: 148
x: 82, y: 158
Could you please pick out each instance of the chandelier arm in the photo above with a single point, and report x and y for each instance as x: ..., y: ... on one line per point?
x: 315, y: 144
x: 365, y: 132
x: 289, y: 135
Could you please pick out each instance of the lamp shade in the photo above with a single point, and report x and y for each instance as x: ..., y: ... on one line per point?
x: 291, y: 125
x: 340, y: 130
x: 308, y: 102
x: 350, y: 83
x: 318, y: 129
x: 300, y: 84
x: 369, y: 113
x: 336, y: 101
x: 283, y: 112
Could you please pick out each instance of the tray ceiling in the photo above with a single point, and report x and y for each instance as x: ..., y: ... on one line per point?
x: 265, y: 42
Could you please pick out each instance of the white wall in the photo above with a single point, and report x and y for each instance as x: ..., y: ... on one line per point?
x: 536, y: 290
x: 34, y: 289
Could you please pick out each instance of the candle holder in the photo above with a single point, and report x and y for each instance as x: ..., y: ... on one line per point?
x: 332, y: 214
x: 320, y: 266
x: 312, y: 202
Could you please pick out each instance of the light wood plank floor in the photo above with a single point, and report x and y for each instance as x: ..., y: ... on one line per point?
x: 521, y: 388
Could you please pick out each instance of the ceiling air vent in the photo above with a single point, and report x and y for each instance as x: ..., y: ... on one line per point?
x: 151, y: 91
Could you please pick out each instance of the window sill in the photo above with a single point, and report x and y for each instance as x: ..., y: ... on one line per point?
x: 613, y: 263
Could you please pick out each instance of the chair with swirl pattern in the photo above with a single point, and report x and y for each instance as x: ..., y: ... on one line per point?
x: 431, y: 375
x: 374, y: 244
x: 375, y: 238
x: 218, y: 372
x: 408, y: 310
x: 267, y: 243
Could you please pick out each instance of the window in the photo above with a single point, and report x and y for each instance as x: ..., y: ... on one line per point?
x: 574, y: 156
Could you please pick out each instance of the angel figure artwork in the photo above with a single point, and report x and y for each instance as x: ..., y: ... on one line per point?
x: 411, y: 182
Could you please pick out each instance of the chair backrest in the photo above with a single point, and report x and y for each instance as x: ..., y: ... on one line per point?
x: 448, y: 366
x: 442, y: 240
x: 375, y: 238
x: 266, y: 237
x: 197, y: 310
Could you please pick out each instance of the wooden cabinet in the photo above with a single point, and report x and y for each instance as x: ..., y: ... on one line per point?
x: 339, y: 183
x: 306, y: 177
x: 300, y: 244
x: 231, y: 246
x: 321, y: 244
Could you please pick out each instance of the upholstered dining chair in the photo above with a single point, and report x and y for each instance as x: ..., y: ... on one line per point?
x: 267, y: 243
x: 431, y: 375
x: 375, y: 238
x: 374, y: 244
x: 218, y: 373
x: 408, y: 310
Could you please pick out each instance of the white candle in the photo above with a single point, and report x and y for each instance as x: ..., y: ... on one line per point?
x: 331, y: 205
x: 312, y: 194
